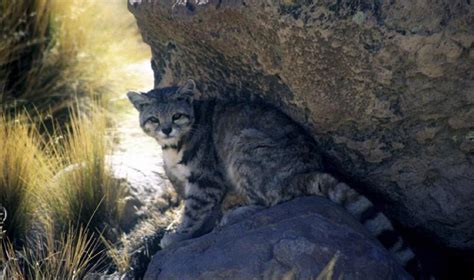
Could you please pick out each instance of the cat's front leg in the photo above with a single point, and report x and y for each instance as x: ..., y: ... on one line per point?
x: 201, y: 199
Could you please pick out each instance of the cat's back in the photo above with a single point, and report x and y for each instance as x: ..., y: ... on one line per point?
x: 235, y: 117
x: 262, y: 130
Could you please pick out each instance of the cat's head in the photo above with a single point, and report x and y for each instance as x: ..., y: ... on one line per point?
x: 166, y: 114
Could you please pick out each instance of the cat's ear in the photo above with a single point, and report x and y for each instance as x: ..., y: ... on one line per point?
x: 138, y: 99
x: 186, y: 91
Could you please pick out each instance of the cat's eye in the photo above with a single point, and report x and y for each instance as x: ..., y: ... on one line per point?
x: 153, y: 120
x: 177, y: 116
x: 180, y: 119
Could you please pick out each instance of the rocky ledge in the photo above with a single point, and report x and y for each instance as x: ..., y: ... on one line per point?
x: 293, y: 240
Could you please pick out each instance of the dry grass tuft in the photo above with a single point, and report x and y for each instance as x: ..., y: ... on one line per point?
x: 88, y: 195
x: 44, y: 211
x: 70, y: 256
x: 24, y: 169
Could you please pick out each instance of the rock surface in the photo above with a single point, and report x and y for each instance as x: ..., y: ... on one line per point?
x: 385, y: 87
x: 295, y: 240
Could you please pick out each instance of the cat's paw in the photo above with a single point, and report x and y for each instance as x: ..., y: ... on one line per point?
x: 171, y: 238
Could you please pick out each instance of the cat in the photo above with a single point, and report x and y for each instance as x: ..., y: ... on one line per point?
x: 212, y: 147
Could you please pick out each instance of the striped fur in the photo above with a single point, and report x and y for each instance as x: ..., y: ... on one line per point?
x: 248, y: 148
x: 361, y: 208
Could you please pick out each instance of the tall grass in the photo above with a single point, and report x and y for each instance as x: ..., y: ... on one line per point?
x: 24, y: 32
x: 54, y: 53
x: 88, y: 194
x: 70, y: 256
x: 74, y: 170
x: 24, y: 169
x: 59, y: 196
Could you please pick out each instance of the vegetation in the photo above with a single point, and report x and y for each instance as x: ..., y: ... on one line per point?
x: 53, y: 53
x: 24, y: 170
x: 60, y: 66
x: 71, y: 256
x: 24, y: 72
x: 87, y: 194
x: 55, y: 184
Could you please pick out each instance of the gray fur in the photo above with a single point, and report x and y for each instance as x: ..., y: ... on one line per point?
x: 249, y: 148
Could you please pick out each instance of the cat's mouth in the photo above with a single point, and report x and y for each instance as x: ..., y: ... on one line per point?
x: 167, y: 136
x: 168, y: 140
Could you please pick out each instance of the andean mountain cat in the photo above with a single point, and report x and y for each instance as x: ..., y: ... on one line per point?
x: 214, y: 147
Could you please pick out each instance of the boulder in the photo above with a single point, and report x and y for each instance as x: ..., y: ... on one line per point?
x: 293, y: 240
x: 385, y: 87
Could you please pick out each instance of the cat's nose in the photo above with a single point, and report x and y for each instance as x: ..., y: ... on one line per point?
x: 166, y: 131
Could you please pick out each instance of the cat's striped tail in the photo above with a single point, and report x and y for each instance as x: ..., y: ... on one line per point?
x: 363, y: 210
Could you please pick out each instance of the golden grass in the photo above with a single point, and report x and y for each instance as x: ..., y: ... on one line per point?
x: 71, y: 256
x: 54, y: 55
x: 88, y: 195
x: 54, y: 51
x: 46, y: 202
x: 74, y: 170
x: 24, y: 169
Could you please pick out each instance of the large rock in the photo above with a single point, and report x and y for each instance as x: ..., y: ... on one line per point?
x: 294, y: 240
x: 385, y: 87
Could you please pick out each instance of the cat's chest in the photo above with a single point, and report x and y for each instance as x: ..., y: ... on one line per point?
x: 172, y: 159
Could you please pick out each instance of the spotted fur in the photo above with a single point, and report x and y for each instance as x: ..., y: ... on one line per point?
x: 250, y: 148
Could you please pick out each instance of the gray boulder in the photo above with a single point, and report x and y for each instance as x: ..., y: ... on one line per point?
x: 295, y: 240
